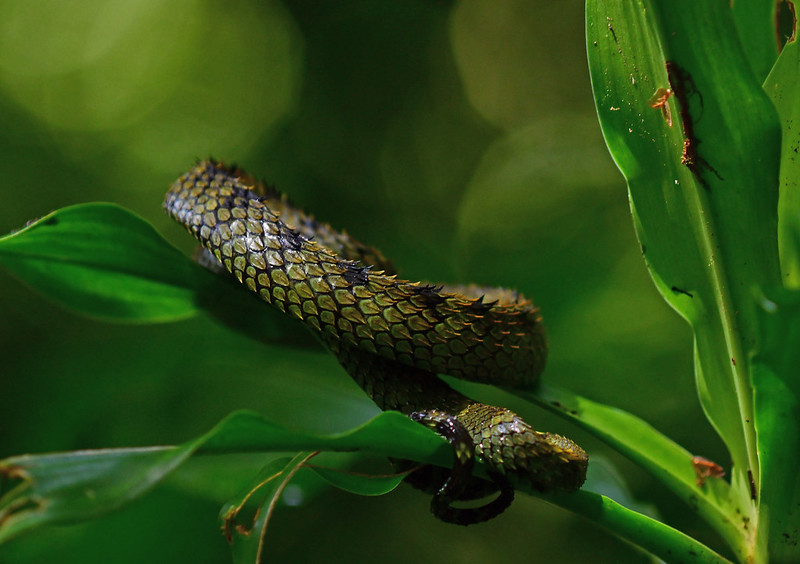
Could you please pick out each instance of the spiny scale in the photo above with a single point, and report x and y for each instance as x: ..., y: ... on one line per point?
x: 486, y: 335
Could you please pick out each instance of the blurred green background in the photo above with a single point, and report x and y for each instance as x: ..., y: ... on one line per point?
x: 458, y: 137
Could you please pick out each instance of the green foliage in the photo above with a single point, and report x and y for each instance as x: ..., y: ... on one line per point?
x: 65, y: 488
x: 781, y: 86
x: 714, y: 197
x: 247, y: 538
x: 703, y: 177
x: 54, y: 487
x: 103, y: 261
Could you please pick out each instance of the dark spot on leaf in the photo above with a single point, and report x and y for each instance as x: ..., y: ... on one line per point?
x: 790, y: 538
x: 680, y: 291
x: 682, y: 85
x: 564, y: 408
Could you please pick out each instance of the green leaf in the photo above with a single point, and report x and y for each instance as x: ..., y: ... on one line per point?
x: 777, y: 411
x: 361, y: 484
x: 636, y: 439
x: 782, y: 85
x: 70, y: 487
x: 703, y: 191
x: 755, y: 22
x: 245, y: 518
x: 103, y: 261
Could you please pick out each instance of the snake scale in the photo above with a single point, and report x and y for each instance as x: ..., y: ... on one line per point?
x: 391, y: 335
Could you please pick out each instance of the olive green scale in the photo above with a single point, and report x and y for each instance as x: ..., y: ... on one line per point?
x: 392, y: 335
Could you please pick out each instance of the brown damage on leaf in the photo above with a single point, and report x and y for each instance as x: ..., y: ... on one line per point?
x: 564, y: 408
x: 13, y: 473
x: 659, y: 100
x: 16, y: 478
x: 228, y: 523
x: 682, y: 86
x: 22, y: 505
x: 12, y: 477
x: 682, y: 291
x: 231, y: 526
x: 705, y: 468
x: 229, y: 520
x: 780, y: 14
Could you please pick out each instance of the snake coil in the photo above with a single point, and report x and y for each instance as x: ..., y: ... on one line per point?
x: 392, y: 336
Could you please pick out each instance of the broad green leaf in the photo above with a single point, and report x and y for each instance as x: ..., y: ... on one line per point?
x: 703, y: 190
x: 782, y: 85
x: 755, y: 22
x: 104, y: 261
x: 777, y: 411
x: 777, y: 387
x: 70, y: 487
x: 245, y: 518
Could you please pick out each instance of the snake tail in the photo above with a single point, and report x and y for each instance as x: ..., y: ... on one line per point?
x: 455, y: 486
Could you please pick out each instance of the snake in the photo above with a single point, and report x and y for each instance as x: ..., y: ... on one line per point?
x: 393, y: 336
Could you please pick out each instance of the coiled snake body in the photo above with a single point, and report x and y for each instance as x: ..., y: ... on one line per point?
x: 391, y: 335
